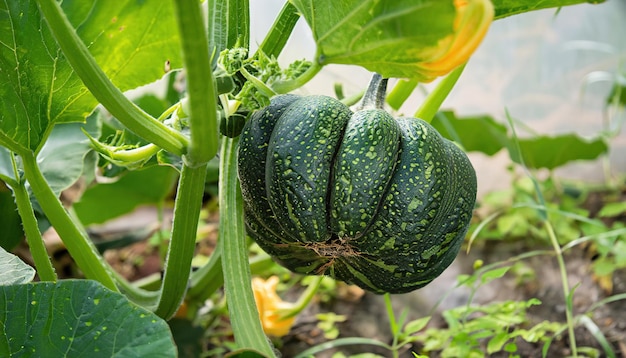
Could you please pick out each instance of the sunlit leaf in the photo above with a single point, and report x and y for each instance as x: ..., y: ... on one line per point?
x: 403, y: 38
x: 416, y: 325
x: 491, y: 275
x: 131, y: 41
x: 612, y: 210
x: 506, y: 8
x: 13, y: 271
x: 78, y: 318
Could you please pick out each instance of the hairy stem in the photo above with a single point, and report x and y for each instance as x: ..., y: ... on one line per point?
x: 79, y: 246
x: 183, y: 242
x: 45, y: 270
x: 200, y: 83
x: 237, y: 278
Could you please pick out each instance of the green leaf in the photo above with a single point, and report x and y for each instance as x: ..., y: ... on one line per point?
x: 62, y: 158
x: 491, y: 275
x: 506, y: 8
x: 131, y: 41
x: 106, y: 201
x: 416, y: 325
x: 612, y: 209
x: 474, y: 133
x: 484, y: 134
x: 552, y: 152
x: 389, y: 37
x: 13, y: 271
x: 75, y: 318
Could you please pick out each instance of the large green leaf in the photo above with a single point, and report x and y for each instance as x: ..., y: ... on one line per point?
x: 553, y: 152
x: 13, y: 271
x: 484, y: 134
x: 106, y: 201
x: 475, y: 133
x: 504, y: 8
x: 389, y: 37
x: 78, y: 318
x: 131, y: 41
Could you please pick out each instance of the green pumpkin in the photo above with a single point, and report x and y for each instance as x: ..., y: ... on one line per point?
x: 379, y: 202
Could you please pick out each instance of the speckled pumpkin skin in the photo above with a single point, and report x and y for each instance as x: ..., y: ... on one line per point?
x: 379, y: 202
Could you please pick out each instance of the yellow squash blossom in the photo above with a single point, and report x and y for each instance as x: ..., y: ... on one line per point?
x: 470, y: 26
x: 271, y: 307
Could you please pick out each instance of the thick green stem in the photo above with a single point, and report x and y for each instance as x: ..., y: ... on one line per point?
x: 45, y: 270
x: 101, y: 86
x: 79, y: 246
x: 183, y: 240
x: 401, y: 92
x: 244, y: 316
x: 434, y: 100
x: 280, y: 31
x: 200, y: 83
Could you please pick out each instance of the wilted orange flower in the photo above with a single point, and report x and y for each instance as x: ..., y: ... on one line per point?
x: 470, y: 26
x: 271, y: 307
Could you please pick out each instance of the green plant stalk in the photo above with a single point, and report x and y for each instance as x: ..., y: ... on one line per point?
x: 279, y: 33
x: 142, y: 297
x: 257, y: 83
x: 401, y: 92
x: 183, y: 241
x: 566, y: 289
x: 101, y: 86
x: 207, y: 279
x: 304, y: 299
x: 281, y: 87
x: 200, y: 83
x: 45, y: 270
x: 392, y: 324
x: 433, y: 101
x: 78, y: 245
x: 237, y: 278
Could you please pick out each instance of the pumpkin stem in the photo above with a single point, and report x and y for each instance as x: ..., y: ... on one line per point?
x: 374, y: 97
